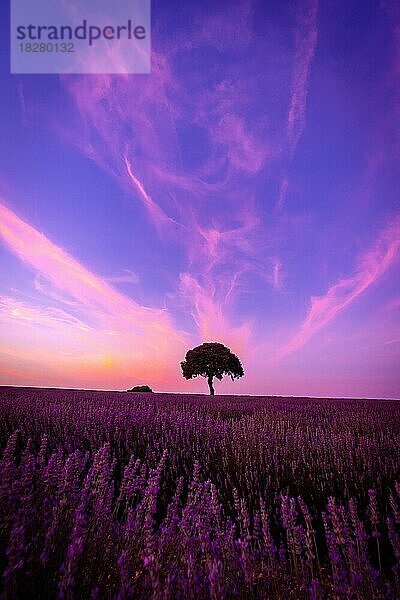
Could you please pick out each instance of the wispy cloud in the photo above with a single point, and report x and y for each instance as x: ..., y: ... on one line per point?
x: 158, y: 215
x: 108, y: 320
x: 276, y: 275
x: 67, y: 274
x: 372, y: 265
x: 306, y: 35
x: 210, y: 316
x: 141, y: 131
x: 127, y: 276
x: 283, y: 190
x: 244, y: 149
x: 13, y: 310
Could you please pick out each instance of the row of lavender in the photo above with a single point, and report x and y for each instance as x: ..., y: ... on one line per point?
x: 111, y: 495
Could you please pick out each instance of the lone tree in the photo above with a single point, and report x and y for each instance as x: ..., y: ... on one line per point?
x: 211, y: 360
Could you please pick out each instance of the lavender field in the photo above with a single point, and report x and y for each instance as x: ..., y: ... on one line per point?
x: 123, y: 495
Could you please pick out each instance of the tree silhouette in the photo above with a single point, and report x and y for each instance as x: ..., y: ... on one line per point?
x: 210, y: 360
x: 141, y: 388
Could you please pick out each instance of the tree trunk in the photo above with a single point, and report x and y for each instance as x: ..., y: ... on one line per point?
x: 210, y: 385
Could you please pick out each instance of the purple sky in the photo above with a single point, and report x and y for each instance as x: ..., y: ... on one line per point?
x: 247, y: 191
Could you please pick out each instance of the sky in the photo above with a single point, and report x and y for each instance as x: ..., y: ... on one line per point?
x: 246, y: 192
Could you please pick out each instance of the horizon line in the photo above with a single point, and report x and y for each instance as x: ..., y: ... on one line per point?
x: 81, y: 389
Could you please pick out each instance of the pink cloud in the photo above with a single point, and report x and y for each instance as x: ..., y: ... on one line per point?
x: 244, y: 151
x: 13, y: 310
x: 216, y: 244
x: 210, y: 317
x: 277, y: 275
x: 110, y: 325
x: 306, y: 35
x: 57, y: 266
x: 372, y: 265
x: 114, y: 116
x: 121, y: 116
x: 283, y: 190
x: 393, y: 341
x: 160, y: 219
x: 127, y: 276
x: 131, y: 127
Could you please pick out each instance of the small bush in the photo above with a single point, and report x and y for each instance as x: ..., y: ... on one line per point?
x: 141, y: 388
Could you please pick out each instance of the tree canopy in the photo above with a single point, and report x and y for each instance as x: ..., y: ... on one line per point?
x: 210, y: 360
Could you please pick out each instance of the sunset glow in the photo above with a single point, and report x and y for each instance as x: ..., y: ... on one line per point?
x: 246, y: 192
